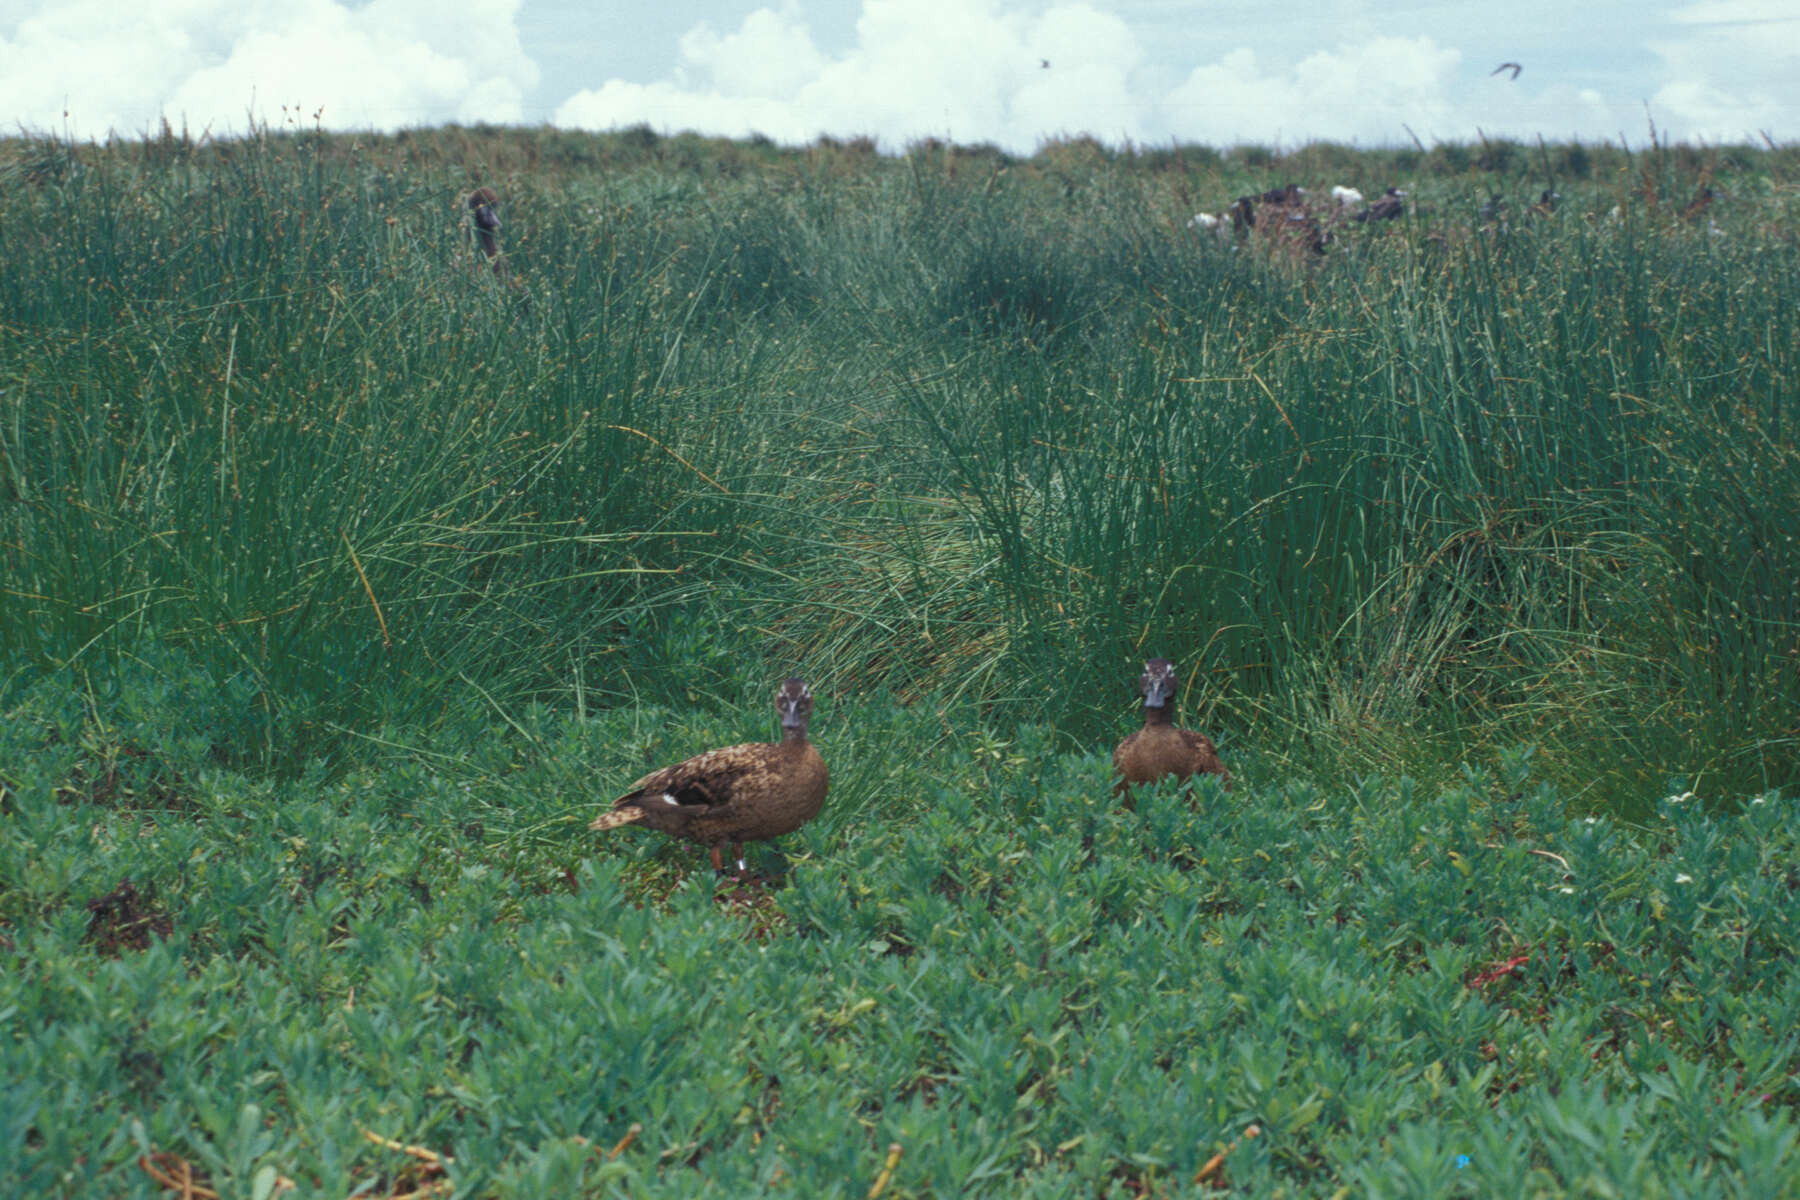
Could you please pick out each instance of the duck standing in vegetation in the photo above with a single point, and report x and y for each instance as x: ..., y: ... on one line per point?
x: 1159, y: 749
x: 483, y: 205
x: 738, y: 794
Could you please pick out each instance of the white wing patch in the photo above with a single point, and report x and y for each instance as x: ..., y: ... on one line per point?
x: 668, y: 799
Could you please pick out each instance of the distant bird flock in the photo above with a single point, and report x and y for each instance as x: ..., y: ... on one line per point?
x: 1288, y: 218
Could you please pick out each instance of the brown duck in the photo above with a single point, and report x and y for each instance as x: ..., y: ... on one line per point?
x: 739, y: 794
x: 482, y: 203
x: 1159, y: 749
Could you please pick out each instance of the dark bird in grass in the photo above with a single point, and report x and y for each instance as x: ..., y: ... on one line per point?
x: 1695, y: 208
x: 739, y: 794
x: 484, y: 213
x: 1389, y: 206
x: 1301, y: 228
x: 1243, y: 209
x: 1281, y: 217
x: 1242, y: 213
x: 1515, y: 68
x: 1159, y: 750
x: 482, y: 205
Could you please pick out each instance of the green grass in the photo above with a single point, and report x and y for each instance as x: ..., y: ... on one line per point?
x: 976, y: 955
x: 954, y: 423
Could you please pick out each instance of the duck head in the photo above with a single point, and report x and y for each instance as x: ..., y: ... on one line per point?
x: 482, y: 202
x: 1157, y: 683
x: 794, y: 701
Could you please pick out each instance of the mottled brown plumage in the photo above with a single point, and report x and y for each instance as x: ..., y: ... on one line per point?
x: 1389, y: 206
x: 1280, y: 217
x: 739, y: 794
x: 1159, y: 749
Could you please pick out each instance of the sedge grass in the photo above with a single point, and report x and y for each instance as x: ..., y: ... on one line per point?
x: 954, y: 424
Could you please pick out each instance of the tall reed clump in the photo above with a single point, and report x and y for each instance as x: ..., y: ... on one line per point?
x: 272, y: 412
x: 1444, y: 485
x: 949, y: 424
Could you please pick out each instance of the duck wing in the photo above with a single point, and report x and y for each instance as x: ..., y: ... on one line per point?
x: 672, y: 797
x: 1204, y: 755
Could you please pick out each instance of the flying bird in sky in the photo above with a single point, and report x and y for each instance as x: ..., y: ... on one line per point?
x: 1515, y: 68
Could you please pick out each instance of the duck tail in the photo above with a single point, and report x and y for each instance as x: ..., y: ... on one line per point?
x: 614, y: 818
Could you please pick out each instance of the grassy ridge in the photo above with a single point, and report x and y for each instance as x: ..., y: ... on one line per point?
x: 1414, y: 993
x: 952, y: 424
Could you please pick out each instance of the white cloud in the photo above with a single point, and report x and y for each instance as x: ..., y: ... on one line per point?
x: 965, y: 69
x: 1365, y: 92
x: 969, y: 69
x: 771, y: 53
x: 385, y: 64
x: 1732, y: 70
x: 1736, y: 12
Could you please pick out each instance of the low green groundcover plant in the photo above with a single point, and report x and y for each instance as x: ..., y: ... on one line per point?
x: 973, y: 954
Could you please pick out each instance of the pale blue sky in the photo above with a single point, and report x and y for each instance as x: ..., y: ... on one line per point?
x: 1152, y: 71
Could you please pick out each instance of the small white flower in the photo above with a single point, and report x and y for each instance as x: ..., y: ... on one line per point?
x: 1590, y: 820
x: 1757, y: 801
x: 1567, y: 891
x: 1681, y: 799
x: 1684, y: 879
